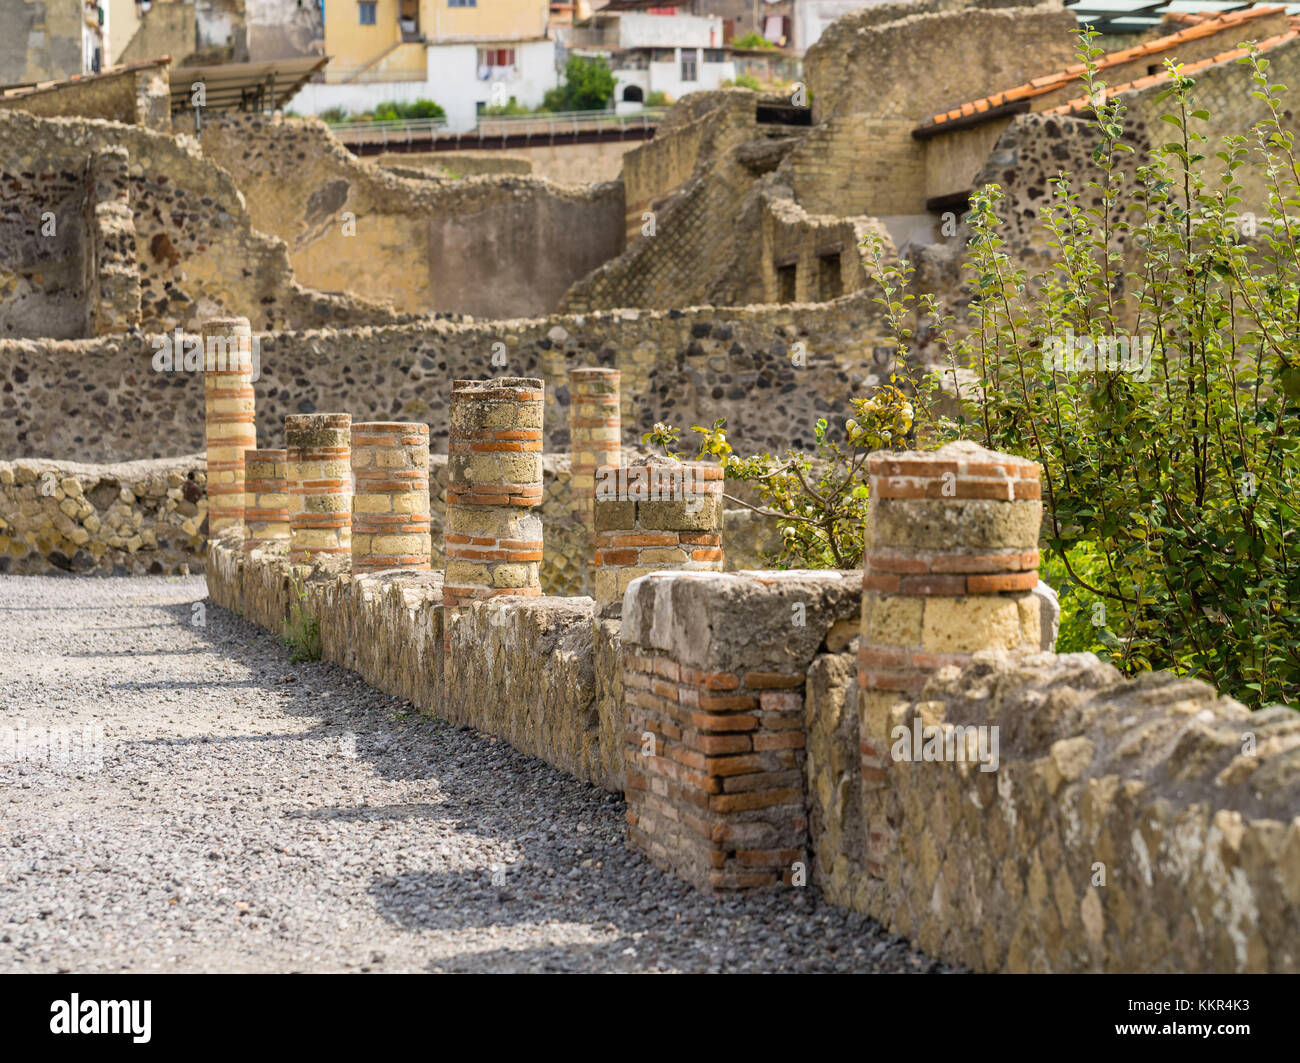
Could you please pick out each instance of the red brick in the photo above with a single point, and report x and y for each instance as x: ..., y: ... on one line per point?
x: 748, y: 801
x: 783, y: 702
x: 728, y: 702
x: 729, y: 722
x: 944, y: 585
x: 785, y: 740
x: 882, y: 582
x: 769, y: 857
x: 716, y: 745
x: 1006, y: 581
x: 773, y: 680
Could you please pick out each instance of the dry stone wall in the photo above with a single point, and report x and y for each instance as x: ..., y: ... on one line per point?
x: 129, y: 518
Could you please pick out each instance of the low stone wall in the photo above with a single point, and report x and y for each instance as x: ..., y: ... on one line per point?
x: 524, y: 671
x: 131, y: 518
x: 1139, y: 825
x: 1124, y: 829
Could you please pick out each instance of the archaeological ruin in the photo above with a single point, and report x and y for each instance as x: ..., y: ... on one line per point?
x: 415, y: 405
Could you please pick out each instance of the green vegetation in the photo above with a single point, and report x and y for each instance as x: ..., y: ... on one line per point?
x: 753, y: 40
x: 301, y: 630
x: 744, y: 81
x: 390, y: 111
x: 588, y: 86
x: 1153, y: 371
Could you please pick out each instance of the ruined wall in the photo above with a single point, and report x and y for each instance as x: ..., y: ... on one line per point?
x: 696, y: 198
x: 867, y: 62
x: 488, y: 246
x: 65, y: 399
x: 138, y: 94
x: 1127, y: 824
x: 565, y: 164
x: 1123, y: 830
x: 196, y: 251
x: 130, y: 518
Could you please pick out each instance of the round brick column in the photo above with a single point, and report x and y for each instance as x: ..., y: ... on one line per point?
x: 390, y: 506
x: 229, y: 415
x: 493, y: 532
x: 595, y: 430
x: 266, y: 498
x: 950, y: 566
x: 651, y: 517
x: 320, y: 484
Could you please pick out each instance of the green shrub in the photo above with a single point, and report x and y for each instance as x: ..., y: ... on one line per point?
x: 752, y: 40
x: 334, y: 114
x: 392, y: 111
x: 1168, y: 475
x: 658, y: 98
x: 743, y: 81
x: 588, y: 86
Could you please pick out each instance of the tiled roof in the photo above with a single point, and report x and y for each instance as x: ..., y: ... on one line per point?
x: 1084, y: 102
x: 1047, y: 83
x: 109, y: 71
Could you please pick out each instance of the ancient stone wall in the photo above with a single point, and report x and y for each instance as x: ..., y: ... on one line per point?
x: 129, y: 518
x: 516, y: 242
x: 687, y: 367
x: 1118, y: 825
x: 138, y: 93
x: 195, y: 250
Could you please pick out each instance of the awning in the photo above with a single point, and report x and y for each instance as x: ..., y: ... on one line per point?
x: 244, y: 86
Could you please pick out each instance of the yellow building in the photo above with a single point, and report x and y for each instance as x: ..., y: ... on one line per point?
x: 388, y: 40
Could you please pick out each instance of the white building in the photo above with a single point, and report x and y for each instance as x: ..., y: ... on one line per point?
x: 670, y: 53
x: 464, y: 78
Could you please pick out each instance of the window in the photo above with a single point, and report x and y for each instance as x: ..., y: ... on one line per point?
x: 497, y: 64
x: 830, y: 281
x: 715, y: 55
x: 786, y: 276
x: 661, y: 55
x: 367, y: 11
x: 462, y: 3
x: 633, y: 94
x: 688, y: 64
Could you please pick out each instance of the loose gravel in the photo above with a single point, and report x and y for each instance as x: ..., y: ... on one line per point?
x: 252, y: 814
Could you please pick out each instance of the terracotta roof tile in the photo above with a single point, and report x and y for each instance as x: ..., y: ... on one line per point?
x: 1082, y: 102
x: 1202, y: 27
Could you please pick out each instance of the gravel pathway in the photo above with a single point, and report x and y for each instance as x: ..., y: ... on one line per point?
x: 251, y: 814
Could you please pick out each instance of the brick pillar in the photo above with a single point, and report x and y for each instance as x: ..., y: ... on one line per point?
x: 229, y: 415
x: 651, y: 518
x: 320, y: 481
x: 266, y: 498
x: 594, y: 433
x: 390, y: 509
x: 950, y: 566
x: 493, y: 531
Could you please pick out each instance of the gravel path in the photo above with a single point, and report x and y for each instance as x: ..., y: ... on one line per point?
x: 252, y: 814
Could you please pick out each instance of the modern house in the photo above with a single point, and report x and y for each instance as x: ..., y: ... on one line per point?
x: 50, y: 40
x: 654, y: 48
x: 465, y: 55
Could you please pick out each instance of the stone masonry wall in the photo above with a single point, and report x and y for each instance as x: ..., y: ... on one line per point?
x: 131, y: 518
x: 490, y: 246
x: 196, y: 251
x: 62, y: 399
x: 1126, y: 827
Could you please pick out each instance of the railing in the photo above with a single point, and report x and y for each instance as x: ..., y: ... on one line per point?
x: 408, y: 130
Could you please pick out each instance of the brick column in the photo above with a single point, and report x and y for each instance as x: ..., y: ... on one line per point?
x: 594, y: 432
x: 266, y: 498
x: 493, y: 531
x: 950, y: 566
x: 320, y: 481
x: 390, y: 509
x: 229, y: 415
x: 652, y: 518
